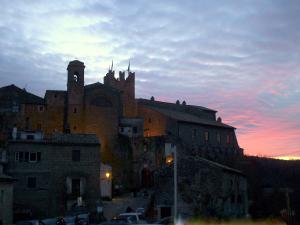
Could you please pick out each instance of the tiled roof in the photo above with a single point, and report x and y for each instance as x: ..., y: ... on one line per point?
x: 189, y: 118
x: 100, y: 85
x: 220, y: 166
x: 64, y: 139
x: 11, y: 93
x: 172, y: 105
x: 75, y: 138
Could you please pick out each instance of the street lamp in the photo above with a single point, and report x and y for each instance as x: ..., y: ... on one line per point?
x: 107, y: 174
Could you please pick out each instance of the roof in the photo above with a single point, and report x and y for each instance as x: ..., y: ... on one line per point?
x: 11, y: 93
x: 189, y: 118
x: 65, y: 139
x: 76, y: 63
x: 172, y: 105
x: 100, y: 85
x: 220, y: 166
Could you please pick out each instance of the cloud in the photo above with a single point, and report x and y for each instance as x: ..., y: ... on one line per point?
x: 240, y: 58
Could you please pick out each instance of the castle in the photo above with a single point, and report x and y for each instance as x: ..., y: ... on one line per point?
x: 133, y: 132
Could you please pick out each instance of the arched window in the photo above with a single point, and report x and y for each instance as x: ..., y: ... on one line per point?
x: 76, y: 76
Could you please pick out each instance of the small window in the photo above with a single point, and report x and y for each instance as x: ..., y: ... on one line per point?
x: 74, y: 128
x: 21, y: 156
x: 41, y: 108
x: 2, y: 196
x: 149, y: 120
x: 122, y: 129
x: 32, y: 157
x: 134, y: 130
x: 27, y: 123
x: 194, y: 133
x: 39, y: 126
x: 219, y: 138
x: 38, y: 156
x: 75, y: 77
x: 55, y: 96
x: 30, y: 137
x: 228, y: 139
x: 206, y: 136
x: 75, y: 110
x: 76, y: 155
x: 16, y: 156
x: 26, y: 156
x: 31, y: 182
x: 76, y: 187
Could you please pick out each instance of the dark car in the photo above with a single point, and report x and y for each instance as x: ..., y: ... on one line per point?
x: 30, y: 222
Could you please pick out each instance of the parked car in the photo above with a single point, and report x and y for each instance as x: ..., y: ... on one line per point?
x: 133, y: 218
x: 30, y: 222
x: 140, y: 210
x: 50, y: 221
x: 165, y: 221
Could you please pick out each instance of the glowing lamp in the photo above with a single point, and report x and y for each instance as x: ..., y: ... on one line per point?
x: 107, y: 174
x: 169, y: 159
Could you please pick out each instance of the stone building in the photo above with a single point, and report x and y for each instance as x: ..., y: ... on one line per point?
x: 133, y: 132
x: 55, y: 174
x: 6, y: 192
x: 205, y: 188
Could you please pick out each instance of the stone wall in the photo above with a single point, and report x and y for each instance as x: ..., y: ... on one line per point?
x: 49, y: 197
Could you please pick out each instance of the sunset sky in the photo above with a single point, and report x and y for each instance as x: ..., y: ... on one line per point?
x: 241, y: 58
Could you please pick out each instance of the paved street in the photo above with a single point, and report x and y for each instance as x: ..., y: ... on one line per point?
x: 119, y: 204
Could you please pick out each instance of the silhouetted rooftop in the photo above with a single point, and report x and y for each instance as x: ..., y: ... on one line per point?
x: 11, y: 93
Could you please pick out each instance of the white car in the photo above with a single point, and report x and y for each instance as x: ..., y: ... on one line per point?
x: 133, y: 218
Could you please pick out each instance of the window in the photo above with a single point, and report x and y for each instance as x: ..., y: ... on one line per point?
x: 74, y: 128
x: 27, y: 123
x: 76, y: 187
x: 228, y: 139
x: 149, y: 120
x: 41, y: 108
x: 76, y: 155
x: 219, y: 138
x: 33, y: 157
x: 26, y: 156
x: 16, y: 156
x: 2, y: 196
x: 31, y: 182
x: 122, y: 129
x: 75, y: 77
x: 39, y: 156
x: 30, y: 137
x: 21, y: 156
x: 39, y: 126
x: 194, y: 133
x: 206, y: 136
x: 75, y: 110
x: 134, y: 130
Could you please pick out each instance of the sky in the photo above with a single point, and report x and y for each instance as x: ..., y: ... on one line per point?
x: 241, y: 58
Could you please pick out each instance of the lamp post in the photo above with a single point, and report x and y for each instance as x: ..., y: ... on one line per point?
x: 175, y: 185
x: 108, y: 178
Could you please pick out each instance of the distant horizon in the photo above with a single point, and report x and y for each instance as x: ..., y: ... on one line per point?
x: 239, y: 58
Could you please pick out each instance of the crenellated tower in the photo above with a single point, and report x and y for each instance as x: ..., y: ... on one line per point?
x: 127, y: 86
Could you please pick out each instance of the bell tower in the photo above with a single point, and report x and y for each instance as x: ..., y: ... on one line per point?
x: 75, y: 84
x: 75, y: 95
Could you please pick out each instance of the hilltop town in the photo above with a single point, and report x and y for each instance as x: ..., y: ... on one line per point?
x: 84, y: 146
